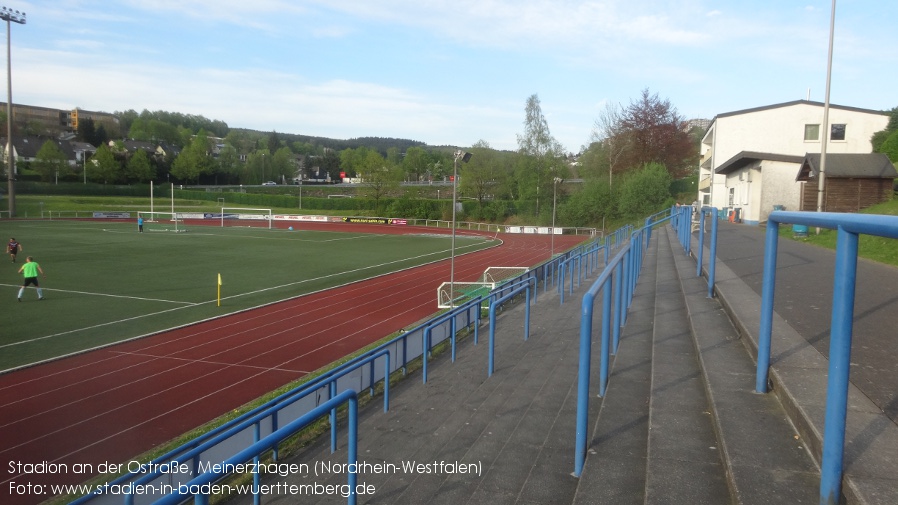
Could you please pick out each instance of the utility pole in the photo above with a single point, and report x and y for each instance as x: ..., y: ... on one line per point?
x: 10, y: 16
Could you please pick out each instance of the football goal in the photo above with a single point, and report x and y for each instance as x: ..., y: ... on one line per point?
x: 239, y: 216
x: 453, y: 294
x: 161, y: 221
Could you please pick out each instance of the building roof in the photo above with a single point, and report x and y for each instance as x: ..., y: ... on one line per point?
x: 848, y: 165
x: 747, y: 157
x: 799, y: 102
x: 27, y: 146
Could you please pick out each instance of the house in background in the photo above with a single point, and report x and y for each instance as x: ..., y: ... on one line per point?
x: 853, y: 181
x: 750, y: 158
x: 747, y: 191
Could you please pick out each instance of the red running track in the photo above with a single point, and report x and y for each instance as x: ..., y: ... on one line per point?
x: 115, y: 403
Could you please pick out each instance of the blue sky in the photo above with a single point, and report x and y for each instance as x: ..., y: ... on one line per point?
x: 446, y: 72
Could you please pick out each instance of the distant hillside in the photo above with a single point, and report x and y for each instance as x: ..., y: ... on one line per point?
x: 380, y: 144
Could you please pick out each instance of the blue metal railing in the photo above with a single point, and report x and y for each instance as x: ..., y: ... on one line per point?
x: 712, y: 261
x: 617, y: 283
x: 522, y: 287
x: 200, y: 487
x: 682, y: 221
x: 619, y: 275
x: 849, y: 227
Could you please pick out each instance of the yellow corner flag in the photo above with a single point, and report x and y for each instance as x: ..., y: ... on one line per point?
x: 219, y: 290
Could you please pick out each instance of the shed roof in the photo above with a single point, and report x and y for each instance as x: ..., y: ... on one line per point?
x: 747, y: 157
x: 848, y: 165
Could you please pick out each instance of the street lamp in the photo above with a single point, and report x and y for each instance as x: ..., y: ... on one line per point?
x: 465, y: 157
x: 554, y: 199
x: 10, y: 16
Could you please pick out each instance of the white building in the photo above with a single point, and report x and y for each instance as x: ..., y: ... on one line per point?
x: 750, y: 158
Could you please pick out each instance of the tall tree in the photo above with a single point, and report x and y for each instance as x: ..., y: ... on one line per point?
x: 256, y: 170
x: 103, y: 167
x: 481, y: 176
x: 50, y: 162
x: 415, y: 163
x: 228, y: 164
x: 539, y: 144
x: 139, y: 167
x: 379, y: 176
x: 87, y: 131
x: 330, y: 162
x: 655, y: 133
x: 613, y: 139
x: 274, y: 142
x: 195, y: 160
x: 283, y: 165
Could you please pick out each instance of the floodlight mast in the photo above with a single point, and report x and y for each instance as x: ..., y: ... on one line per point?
x: 10, y: 16
x: 465, y: 157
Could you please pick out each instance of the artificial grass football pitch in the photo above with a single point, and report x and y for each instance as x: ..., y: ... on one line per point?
x: 104, y: 282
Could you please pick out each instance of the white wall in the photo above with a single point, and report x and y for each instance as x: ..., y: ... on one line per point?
x: 780, y: 130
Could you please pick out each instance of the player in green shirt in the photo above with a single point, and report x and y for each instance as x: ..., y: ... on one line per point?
x: 30, y: 269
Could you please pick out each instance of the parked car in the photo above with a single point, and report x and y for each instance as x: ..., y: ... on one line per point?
x: 269, y: 183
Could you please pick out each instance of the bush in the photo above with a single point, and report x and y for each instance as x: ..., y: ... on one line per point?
x: 645, y: 191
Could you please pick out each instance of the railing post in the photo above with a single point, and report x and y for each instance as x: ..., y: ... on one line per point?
x: 839, y: 367
x: 701, y: 244
x: 527, y: 314
x: 332, y: 389
x: 617, y: 305
x: 583, y: 382
x: 353, y: 448
x: 766, y: 327
x: 712, y: 261
x: 606, y: 336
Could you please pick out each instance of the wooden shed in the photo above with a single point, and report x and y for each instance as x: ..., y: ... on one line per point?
x: 853, y: 181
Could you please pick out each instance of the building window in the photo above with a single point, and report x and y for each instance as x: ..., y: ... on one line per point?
x: 732, y: 196
x: 811, y: 132
x: 837, y: 132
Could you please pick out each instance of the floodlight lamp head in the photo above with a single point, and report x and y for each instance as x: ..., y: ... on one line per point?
x: 462, y: 155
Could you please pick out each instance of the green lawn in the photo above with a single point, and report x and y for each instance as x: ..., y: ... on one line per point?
x: 883, y: 250
x: 105, y: 282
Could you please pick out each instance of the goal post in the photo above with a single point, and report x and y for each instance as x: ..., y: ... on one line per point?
x: 161, y: 221
x: 501, y: 275
x: 242, y: 216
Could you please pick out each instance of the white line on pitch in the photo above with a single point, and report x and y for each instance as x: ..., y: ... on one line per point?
x: 109, y: 295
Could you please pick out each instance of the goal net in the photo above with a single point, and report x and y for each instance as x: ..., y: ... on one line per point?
x: 239, y: 216
x: 453, y: 294
x: 161, y: 221
x: 501, y: 275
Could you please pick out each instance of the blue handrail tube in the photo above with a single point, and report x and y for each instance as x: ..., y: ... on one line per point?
x: 849, y: 227
x: 273, y: 440
x: 491, y: 360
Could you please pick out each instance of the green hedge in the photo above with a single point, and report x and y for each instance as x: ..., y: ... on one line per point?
x: 405, y: 206
x: 89, y: 189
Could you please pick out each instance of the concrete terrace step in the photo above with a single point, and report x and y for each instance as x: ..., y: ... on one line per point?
x: 684, y: 463
x: 766, y: 460
x: 798, y: 375
x: 654, y: 440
